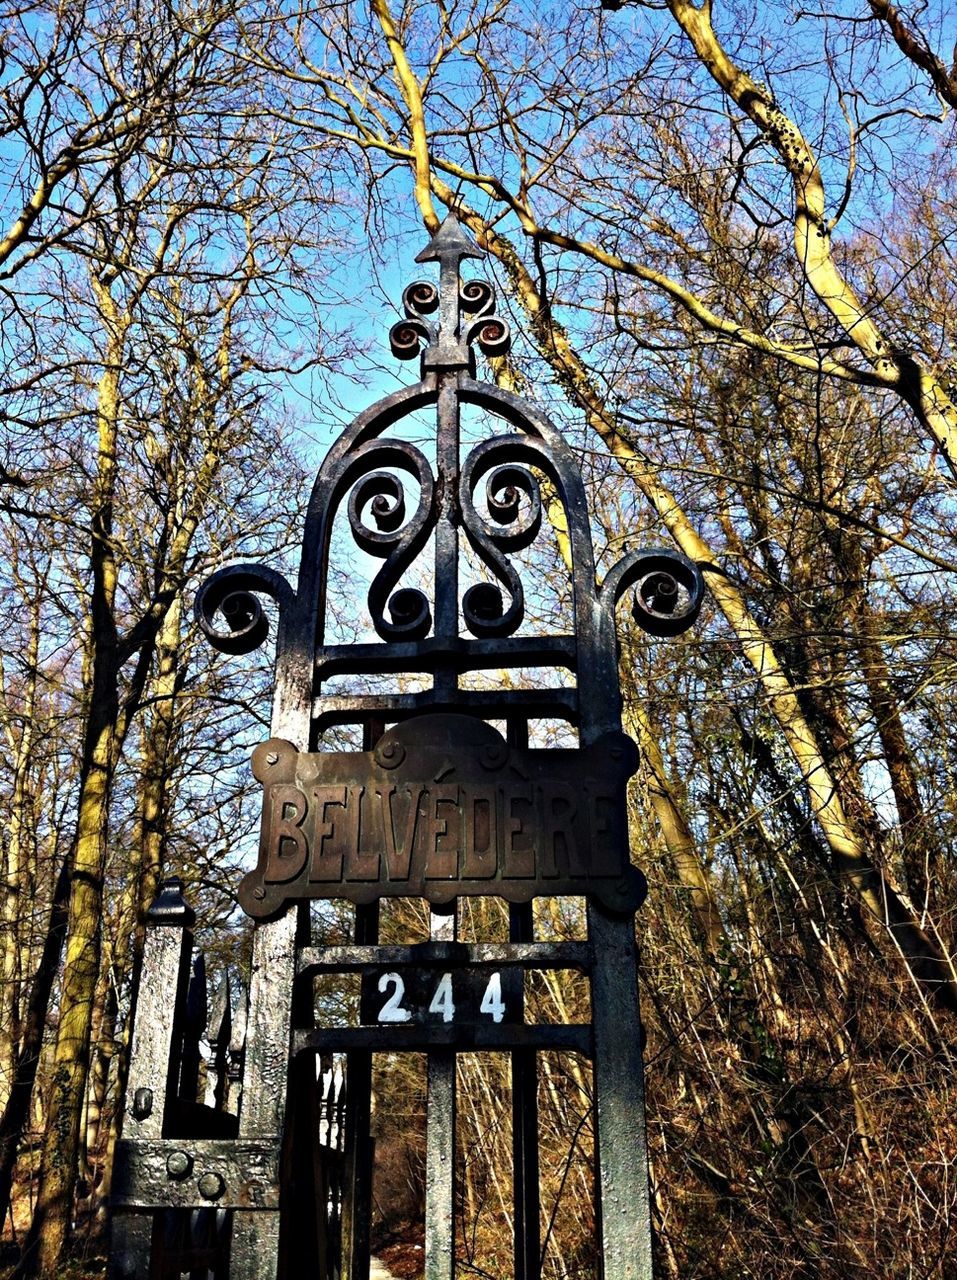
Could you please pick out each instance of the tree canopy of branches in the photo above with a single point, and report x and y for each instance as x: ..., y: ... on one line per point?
x: 725, y: 231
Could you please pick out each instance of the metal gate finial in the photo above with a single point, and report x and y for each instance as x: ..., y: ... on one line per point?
x: 464, y: 308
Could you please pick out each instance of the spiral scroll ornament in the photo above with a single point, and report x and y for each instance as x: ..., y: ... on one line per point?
x: 406, y: 338
x: 476, y: 298
x: 669, y: 590
x: 514, y: 503
x: 382, y: 493
x: 489, y: 331
x: 491, y: 334
x: 420, y: 299
x: 382, y: 527
x: 668, y: 595
x: 228, y: 610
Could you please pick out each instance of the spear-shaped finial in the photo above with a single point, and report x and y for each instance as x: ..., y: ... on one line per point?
x: 464, y: 308
x: 448, y: 247
x: 450, y: 242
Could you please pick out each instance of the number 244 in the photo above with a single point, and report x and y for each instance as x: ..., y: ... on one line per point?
x: 443, y: 1003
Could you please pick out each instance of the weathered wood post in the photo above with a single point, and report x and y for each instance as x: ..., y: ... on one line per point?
x: 438, y: 805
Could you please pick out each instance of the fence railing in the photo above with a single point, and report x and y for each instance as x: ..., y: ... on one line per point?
x: 175, y: 1188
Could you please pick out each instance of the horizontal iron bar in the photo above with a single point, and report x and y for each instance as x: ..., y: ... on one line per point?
x: 492, y: 704
x: 456, y: 655
x: 194, y: 1173
x: 483, y: 955
x: 458, y: 1038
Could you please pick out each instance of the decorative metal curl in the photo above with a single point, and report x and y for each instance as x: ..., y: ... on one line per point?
x: 231, y: 593
x: 492, y: 335
x: 420, y: 299
x: 476, y: 298
x: 513, y: 525
x: 406, y: 338
x: 410, y: 614
x: 395, y: 538
x: 516, y: 523
x: 669, y: 590
x: 383, y: 493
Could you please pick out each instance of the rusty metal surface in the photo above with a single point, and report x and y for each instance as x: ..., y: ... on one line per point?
x: 157, y: 1032
x: 357, y: 1191
x: 624, y: 1201
x: 182, y: 1173
x: 440, y: 1122
x: 526, y: 1216
x: 440, y: 1166
x: 130, y: 1246
x: 442, y: 808
x: 418, y: 1038
x: 476, y: 955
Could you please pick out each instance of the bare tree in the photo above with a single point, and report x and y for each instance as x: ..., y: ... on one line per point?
x: 164, y: 228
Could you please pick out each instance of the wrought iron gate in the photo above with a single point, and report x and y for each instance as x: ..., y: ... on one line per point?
x: 437, y: 804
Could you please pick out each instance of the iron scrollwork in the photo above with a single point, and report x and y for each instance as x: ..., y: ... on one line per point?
x: 513, y: 500
x: 488, y: 330
x: 232, y: 594
x: 475, y: 303
x: 669, y: 590
x: 419, y: 300
x: 394, y: 537
x: 320, y: 803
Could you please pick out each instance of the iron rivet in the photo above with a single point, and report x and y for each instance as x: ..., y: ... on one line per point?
x: 211, y: 1186
x: 494, y: 755
x: 272, y: 757
x: 142, y: 1103
x: 259, y: 893
x: 178, y: 1164
x: 389, y: 754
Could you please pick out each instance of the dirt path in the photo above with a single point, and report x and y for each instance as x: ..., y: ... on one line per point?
x: 378, y: 1271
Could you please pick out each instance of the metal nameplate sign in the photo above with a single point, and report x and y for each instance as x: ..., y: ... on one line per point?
x: 443, y: 807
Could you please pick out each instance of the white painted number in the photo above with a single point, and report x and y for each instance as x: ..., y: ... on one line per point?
x: 392, y: 1010
x: 492, y: 1000
x: 442, y: 1001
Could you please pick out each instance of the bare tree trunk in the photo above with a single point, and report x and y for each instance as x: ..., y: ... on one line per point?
x: 101, y: 1056
x: 675, y: 831
x: 17, y: 1111
x: 149, y: 852
x: 49, y: 1229
x: 920, y: 851
x: 12, y: 877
